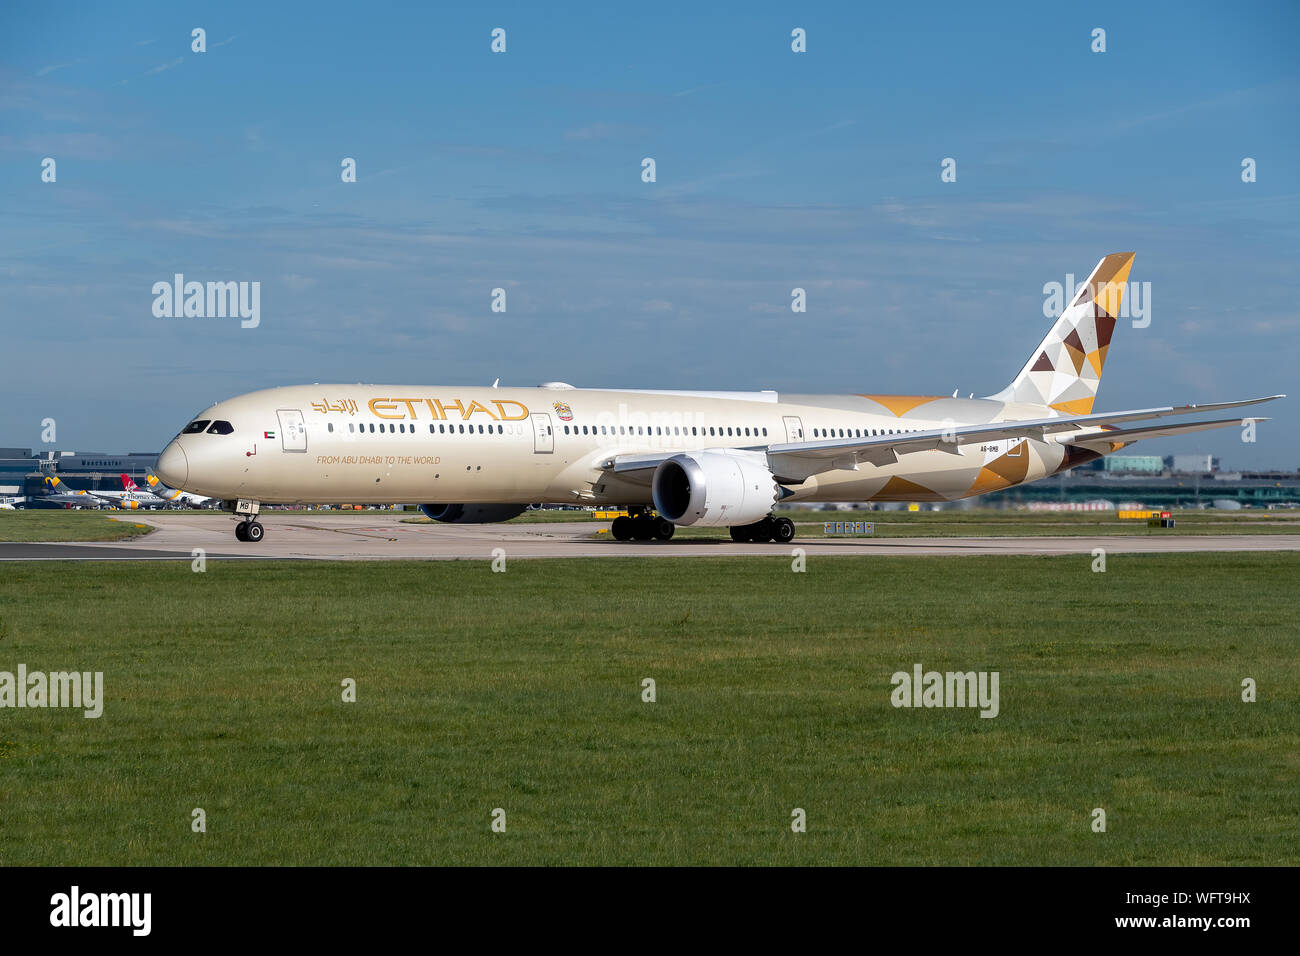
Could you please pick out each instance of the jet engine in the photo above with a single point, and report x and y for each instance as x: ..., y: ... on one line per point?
x: 472, y: 514
x: 714, y: 489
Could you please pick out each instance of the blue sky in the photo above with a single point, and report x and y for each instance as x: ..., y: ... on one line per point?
x: 522, y: 171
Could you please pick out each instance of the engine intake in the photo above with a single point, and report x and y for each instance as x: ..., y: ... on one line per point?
x: 472, y: 514
x: 714, y: 488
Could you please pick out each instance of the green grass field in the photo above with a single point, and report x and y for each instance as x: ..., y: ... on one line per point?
x: 48, y: 524
x: 521, y: 690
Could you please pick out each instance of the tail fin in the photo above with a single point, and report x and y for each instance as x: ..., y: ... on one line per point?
x: 128, y: 484
x: 1065, y: 370
x: 59, y: 488
x: 159, y: 489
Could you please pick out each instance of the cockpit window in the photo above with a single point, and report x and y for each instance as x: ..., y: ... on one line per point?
x: 221, y: 428
x: 193, y: 428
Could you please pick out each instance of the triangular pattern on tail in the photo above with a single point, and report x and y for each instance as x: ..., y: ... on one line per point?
x: 1065, y: 370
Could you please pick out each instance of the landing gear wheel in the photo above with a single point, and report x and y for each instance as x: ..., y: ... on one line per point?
x: 664, y: 529
x: 783, y: 530
x: 621, y: 529
x: 643, y: 528
x: 254, y: 532
x: 763, y: 530
x: 241, y: 531
x: 740, y: 533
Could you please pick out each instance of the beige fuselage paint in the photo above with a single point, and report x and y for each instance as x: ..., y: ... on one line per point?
x: 418, y: 444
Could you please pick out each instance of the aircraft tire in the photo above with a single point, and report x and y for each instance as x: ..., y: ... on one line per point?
x: 783, y: 530
x: 254, y: 532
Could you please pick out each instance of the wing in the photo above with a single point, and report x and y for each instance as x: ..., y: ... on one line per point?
x: 797, y: 461
x: 1127, y: 435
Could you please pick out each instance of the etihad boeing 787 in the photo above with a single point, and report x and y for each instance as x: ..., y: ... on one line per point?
x: 701, y: 458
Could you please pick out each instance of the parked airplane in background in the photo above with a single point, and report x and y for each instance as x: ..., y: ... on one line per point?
x: 61, y: 494
x: 159, y: 495
x: 673, y: 458
x: 168, y: 495
x: 130, y: 498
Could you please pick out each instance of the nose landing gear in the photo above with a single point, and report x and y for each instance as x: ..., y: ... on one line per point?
x: 250, y: 529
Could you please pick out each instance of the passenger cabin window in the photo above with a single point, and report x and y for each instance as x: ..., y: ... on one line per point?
x: 195, y: 428
x: 221, y: 428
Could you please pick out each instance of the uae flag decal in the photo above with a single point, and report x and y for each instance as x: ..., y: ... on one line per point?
x: 268, y: 434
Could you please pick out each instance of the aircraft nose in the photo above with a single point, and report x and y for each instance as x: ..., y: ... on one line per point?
x: 173, y: 466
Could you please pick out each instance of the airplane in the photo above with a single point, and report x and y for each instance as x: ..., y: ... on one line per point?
x: 131, y: 498
x: 61, y: 494
x: 166, y: 494
x: 159, y: 495
x: 671, y: 458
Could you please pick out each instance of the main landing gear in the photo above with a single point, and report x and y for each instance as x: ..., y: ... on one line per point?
x: 780, y: 530
x: 249, y: 529
x: 642, y: 525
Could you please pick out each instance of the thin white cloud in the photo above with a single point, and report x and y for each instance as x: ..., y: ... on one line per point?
x: 296, y: 283
x: 165, y: 66
x: 698, y: 89
x: 602, y: 131
x: 47, y: 70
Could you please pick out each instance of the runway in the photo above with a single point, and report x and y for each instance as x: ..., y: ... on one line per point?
x: 374, y: 537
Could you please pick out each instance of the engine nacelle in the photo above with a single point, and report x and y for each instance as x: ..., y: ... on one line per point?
x: 713, y: 489
x: 472, y: 514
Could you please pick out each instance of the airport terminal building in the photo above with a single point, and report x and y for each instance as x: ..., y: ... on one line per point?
x: 23, y: 472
